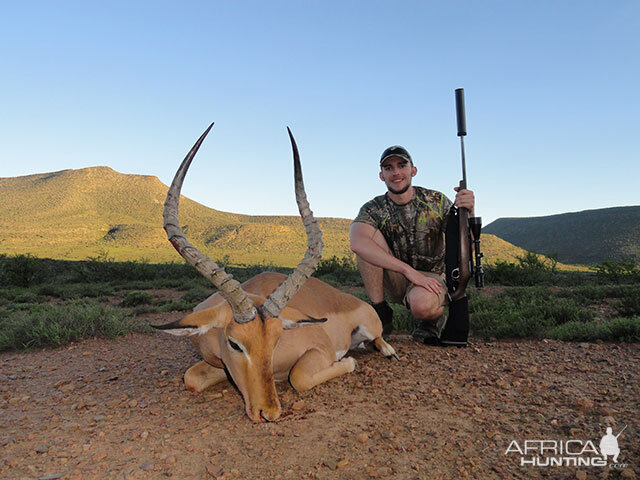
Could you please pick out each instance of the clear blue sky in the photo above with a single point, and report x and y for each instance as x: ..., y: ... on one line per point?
x: 551, y: 89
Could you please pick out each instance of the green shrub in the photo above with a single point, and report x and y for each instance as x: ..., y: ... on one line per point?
x: 55, y: 325
x: 22, y: 270
x: 196, y: 294
x: 629, y: 306
x: 177, y: 306
x: 75, y: 290
x: 20, y: 295
x: 615, y: 330
x: 529, y: 271
x: 137, y: 297
x: 403, y: 321
x: 522, y: 312
x: 338, y: 271
x: 623, y: 270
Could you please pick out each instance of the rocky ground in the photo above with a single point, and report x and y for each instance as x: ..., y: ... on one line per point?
x: 117, y: 409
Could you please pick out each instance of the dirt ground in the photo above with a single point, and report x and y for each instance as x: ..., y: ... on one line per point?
x: 117, y: 409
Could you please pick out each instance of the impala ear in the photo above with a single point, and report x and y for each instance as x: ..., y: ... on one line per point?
x: 292, y: 318
x: 198, y: 323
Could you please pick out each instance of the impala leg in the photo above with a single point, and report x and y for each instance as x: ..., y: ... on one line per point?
x: 384, y: 348
x: 202, y: 376
x: 313, y: 368
x: 368, y: 332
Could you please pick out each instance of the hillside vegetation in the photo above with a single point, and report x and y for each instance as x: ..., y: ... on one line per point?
x: 98, y: 212
x: 587, y: 237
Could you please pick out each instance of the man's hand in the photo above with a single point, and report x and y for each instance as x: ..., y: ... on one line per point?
x: 465, y: 199
x: 428, y: 283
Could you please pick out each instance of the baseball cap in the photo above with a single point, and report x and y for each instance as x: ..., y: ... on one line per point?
x: 395, y: 151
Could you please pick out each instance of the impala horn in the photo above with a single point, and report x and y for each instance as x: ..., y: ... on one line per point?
x: 242, y: 306
x: 287, y: 289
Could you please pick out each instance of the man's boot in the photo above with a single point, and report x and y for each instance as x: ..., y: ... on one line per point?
x: 429, y: 331
x: 385, y: 312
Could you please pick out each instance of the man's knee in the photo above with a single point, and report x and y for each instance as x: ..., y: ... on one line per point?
x: 425, y: 306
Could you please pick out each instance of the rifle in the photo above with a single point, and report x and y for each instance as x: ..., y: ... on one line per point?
x: 462, y: 232
x: 625, y: 427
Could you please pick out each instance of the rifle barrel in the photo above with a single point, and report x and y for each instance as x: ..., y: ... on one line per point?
x: 462, y: 131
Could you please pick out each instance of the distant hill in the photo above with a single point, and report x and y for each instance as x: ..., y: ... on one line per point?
x: 77, y: 214
x: 588, y: 237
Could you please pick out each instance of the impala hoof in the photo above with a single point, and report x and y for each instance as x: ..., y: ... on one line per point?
x: 354, y: 364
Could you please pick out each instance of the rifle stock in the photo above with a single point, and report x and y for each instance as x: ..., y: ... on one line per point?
x: 464, y: 254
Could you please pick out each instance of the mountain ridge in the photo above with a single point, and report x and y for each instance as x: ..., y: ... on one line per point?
x: 76, y: 214
x: 585, y: 237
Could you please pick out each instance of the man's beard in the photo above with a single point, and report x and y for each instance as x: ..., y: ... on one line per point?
x: 401, y: 191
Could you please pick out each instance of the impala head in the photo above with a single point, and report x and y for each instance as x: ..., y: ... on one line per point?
x: 247, y: 327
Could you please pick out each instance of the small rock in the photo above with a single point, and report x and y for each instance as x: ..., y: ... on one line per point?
x: 628, y: 473
x: 99, y: 456
x: 362, y: 437
x: 214, y: 470
x: 299, y: 405
x: 606, y: 412
x: 503, y: 385
x: 372, y: 472
x: 585, y: 403
x: 42, y: 449
x: 330, y: 463
x: 148, y: 465
x: 343, y: 463
x: 581, y: 475
x: 133, y: 403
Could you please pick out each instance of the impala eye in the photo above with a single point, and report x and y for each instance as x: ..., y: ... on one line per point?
x: 234, y: 345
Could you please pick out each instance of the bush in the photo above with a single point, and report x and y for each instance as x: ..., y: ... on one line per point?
x: 22, y: 270
x: 522, y: 313
x: 55, y: 325
x: 338, y: 271
x: 629, y: 306
x: 529, y: 271
x: 196, y: 294
x: 624, y: 270
x: 78, y: 290
x: 137, y: 297
x: 19, y: 295
x: 616, y: 330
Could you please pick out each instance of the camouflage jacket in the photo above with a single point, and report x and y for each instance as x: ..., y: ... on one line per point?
x: 414, y: 231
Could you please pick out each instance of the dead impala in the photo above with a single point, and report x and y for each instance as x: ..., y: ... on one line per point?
x: 272, y: 327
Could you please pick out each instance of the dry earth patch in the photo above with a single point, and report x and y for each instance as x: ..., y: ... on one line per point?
x: 117, y: 409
